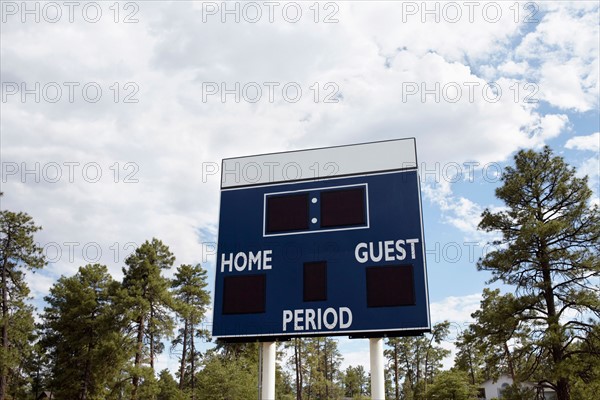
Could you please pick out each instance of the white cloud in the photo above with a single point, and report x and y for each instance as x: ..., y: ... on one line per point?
x: 356, y: 358
x: 39, y: 283
x: 465, y: 215
x: 565, y: 46
x: 549, y: 127
x: 456, y: 33
x: 589, y: 142
x: 511, y: 68
x: 457, y: 309
x: 458, y: 211
x: 561, y: 85
x: 590, y: 167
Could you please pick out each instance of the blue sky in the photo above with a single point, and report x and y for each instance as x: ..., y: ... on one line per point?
x: 114, y: 119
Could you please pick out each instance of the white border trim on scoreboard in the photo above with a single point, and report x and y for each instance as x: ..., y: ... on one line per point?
x: 328, y: 333
x: 367, y: 226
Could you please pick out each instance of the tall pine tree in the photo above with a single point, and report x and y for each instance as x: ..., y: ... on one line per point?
x: 147, y: 301
x: 18, y: 252
x: 549, y: 252
x: 83, y: 334
x: 191, y: 301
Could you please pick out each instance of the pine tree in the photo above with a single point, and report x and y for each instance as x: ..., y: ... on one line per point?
x: 549, y: 252
x: 417, y: 359
x: 297, y: 347
x: 322, y: 359
x: 470, y: 357
x: 18, y: 252
x: 585, y: 365
x: 452, y: 385
x: 22, y: 334
x: 230, y: 372
x: 332, y: 359
x: 83, y: 334
x: 355, y: 382
x: 191, y: 301
x: 147, y: 302
x: 501, y: 338
x: 39, y: 369
x: 394, y: 359
x: 168, y: 388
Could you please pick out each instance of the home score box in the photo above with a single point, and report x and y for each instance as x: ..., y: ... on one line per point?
x: 321, y: 242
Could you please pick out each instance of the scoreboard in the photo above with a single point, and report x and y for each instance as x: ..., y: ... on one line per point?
x: 321, y: 242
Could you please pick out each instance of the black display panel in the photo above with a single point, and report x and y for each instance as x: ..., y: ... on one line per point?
x: 287, y: 213
x: 345, y: 207
x: 315, y: 281
x: 390, y: 286
x: 244, y: 294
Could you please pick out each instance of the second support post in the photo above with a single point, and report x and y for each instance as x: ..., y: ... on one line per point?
x: 377, y: 369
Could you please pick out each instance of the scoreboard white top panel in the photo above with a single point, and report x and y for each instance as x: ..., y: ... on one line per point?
x: 319, y: 163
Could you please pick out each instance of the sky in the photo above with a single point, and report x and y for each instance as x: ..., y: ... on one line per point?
x: 115, y: 116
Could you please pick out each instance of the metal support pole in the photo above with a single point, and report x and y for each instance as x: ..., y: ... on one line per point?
x: 377, y: 371
x: 260, y: 367
x: 269, y: 350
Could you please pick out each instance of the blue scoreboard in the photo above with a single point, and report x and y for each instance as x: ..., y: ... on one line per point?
x: 321, y: 242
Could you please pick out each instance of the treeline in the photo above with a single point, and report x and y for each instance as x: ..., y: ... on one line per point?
x: 98, y: 338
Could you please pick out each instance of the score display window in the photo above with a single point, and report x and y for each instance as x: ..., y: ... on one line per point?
x: 343, y: 207
x: 315, y: 281
x: 390, y: 286
x: 312, y: 211
x: 287, y: 213
x: 244, y: 294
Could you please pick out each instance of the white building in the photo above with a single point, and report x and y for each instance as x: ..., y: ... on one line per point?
x: 493, y: 389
